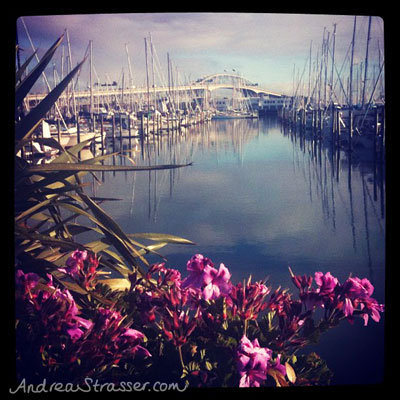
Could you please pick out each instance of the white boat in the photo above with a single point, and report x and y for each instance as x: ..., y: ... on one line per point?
x: 234, y: 114
x: 65, y: 134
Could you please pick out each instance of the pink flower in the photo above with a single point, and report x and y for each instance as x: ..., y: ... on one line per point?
x: 348, y: 307
x: 82, y: 266
x: 357, y: 288
x: 75, y: 262
x: 372, y: 308
x: 133, y: 333
x: 219, y: 285
x: 206, y: 281
x: 326, y: 283
x: 356, y: 299
x: 252, y: 362
x: 201, y: 269
x: 26, y: 282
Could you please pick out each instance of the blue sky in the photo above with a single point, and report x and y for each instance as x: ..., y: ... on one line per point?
x: 262, y: 47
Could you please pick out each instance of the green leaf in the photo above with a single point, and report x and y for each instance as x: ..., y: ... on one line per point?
x: 26, y: 124
x: 47, y: 240
x: 20, y: 72
x: 72, y: 152
x: 167, y: 238
x: 32, y: 210
x: 77, y: 167
x: 25, y: 86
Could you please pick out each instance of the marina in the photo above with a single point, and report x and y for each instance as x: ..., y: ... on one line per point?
x: 126, y: 189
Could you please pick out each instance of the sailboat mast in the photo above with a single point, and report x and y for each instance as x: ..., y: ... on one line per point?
x: 333, y: 58
x: 169, y: 77
x: 351, y: 64
x: 366, y: 61
x: 309, y: 76
x: 130, y: 78
x: 122, y: 92
x: 91, y: 78
x: 147, y: 76
x: 152, y: 73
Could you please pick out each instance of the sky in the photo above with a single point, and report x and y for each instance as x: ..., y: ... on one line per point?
x: 268, y: 49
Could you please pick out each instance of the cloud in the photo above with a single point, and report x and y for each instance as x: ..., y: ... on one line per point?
x: 262, y: 46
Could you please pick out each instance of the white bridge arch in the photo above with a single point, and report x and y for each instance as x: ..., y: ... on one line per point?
x: 228, y: 80
x: 208, y: 83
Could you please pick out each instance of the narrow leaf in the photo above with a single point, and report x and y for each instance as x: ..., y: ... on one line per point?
x: 32, y: 210
x: 51, y: 167
x: 161, y: 237
x: 25, y: 86
x: 41, y: 109
x: 20, y: 72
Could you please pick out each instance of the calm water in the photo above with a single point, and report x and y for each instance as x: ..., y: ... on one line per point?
x: 259, y: 199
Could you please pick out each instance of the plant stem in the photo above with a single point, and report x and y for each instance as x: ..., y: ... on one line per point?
x: 245, y: 327
x: 180, y: 356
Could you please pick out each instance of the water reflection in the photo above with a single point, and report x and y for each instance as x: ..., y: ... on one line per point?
x: 323, y: 168
x: 260, y: 198
x: 257, y: 195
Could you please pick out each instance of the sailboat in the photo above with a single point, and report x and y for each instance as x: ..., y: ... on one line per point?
x: 234, y: 114
x: 240, y: 108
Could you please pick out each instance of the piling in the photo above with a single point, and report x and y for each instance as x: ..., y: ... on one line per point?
x: 383, y: 131
x: 78, y: 136
x: 350, y: 129
x: 142, y: 125
x: 102, y: 134
x: 58, y: 131
x: 120, y: 130
x: 78, y: 132
x: 113, y: 128
x: 337, y: 127
x: 313, y: 122
x: 168, y: 123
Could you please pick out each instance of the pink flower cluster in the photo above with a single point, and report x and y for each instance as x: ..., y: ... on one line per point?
x: 56, y: 309
x: 68, y: 339
x: 254, y: 362
x: 82, y: 267
x: 349, y: 299
x: 205, y: 301
x: 205, y: 280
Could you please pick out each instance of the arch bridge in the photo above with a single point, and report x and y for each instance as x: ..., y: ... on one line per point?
x: 197, y: 89
x: 227, y: 80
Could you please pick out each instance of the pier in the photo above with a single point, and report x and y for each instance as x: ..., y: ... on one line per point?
x: 350, y: 129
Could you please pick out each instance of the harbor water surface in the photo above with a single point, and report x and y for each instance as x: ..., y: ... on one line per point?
x: 259, y: 199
